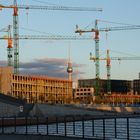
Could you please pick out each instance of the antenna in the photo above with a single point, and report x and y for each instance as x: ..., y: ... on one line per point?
x: 69, y: 69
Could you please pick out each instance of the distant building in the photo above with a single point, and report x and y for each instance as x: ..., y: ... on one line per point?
x: 136, y: 86
x: 84, y: 95
x: 40, y: 89
x: 117, y: 86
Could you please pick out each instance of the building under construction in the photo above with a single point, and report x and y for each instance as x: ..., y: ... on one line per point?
x: 35, y: 89
x: 117, y: 86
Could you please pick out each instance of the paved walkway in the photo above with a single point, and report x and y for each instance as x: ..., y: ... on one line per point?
x: 38, y: 137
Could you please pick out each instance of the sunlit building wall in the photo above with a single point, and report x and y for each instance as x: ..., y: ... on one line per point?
x: 40, y: 89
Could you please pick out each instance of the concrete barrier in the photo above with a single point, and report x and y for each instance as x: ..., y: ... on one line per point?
x: 45, y: 110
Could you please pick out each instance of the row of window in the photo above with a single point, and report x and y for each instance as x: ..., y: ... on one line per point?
x: 40, y: 80
x: 83, y: 94
x: 83, y: 89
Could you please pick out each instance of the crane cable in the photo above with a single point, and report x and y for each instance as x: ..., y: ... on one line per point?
x: 128, y: 54
x: 43, y: 2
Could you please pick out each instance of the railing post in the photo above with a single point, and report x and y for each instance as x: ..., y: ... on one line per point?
x: 93, y: 128
x: 83, y: 127
x: 15, y: 123
x: 26, y: 125
x: 37, y: 124
x: 127, y: 128
x: 73, y: 125
x: 2, y: 124
x: 47, y: 126
x: 103, y: 128
x: 56, y: 125
x: 115, y: 127
x: 65, y: 125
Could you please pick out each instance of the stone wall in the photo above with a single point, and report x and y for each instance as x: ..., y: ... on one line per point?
x: 7, y: 110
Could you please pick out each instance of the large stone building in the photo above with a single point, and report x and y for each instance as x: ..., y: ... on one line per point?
x: 40, y: 89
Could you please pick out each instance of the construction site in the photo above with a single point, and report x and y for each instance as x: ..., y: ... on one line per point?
x: 60, y: 78
x: 54, y: 90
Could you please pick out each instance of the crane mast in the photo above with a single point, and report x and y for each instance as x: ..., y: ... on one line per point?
x: 97, y: 66
x: 97, y: 90
x: 15, y: 36
x: 10, y: 48
x: 108, y: 67
x: 9, y: 45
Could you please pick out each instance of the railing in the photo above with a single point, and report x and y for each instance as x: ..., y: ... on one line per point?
x: 123, y: 128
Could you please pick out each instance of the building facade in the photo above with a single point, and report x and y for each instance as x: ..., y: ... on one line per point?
x: 117, y: 86
x: 84, y: 95
x: 35, y: 89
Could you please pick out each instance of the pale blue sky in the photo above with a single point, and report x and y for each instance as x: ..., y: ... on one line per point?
x: 63, y: 22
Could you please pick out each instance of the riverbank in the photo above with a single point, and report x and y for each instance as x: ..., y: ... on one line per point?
x: 47, y: 110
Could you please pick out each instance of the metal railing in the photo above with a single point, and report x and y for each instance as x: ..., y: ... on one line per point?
x: 123, y: 128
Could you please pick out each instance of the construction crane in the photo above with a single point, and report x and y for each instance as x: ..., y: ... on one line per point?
x: 108, y: 66
x: 60, y: 8
x: 39, y: 37
x: 15, y: 8
x: 9, y: 46
x: 97, y: 30
x: 48, y: 37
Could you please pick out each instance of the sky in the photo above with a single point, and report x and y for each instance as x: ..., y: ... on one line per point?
x: 49, y: 57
